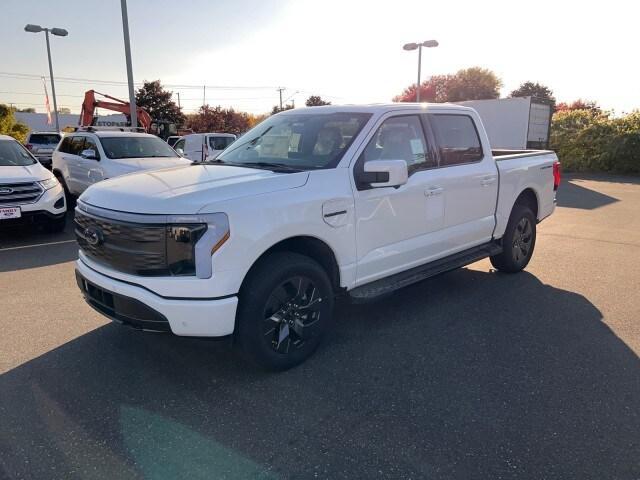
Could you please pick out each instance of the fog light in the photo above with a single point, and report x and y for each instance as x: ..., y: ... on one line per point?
x: 59, y: 203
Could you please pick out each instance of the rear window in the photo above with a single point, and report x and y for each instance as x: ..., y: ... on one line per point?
x: 458, y: 139
x: 44, y: 138
x: 220, y: 143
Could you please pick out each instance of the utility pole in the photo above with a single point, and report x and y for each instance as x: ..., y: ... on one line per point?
x: 133, y: 111
x: 204, y: 95
x: 280, y: 90
x: 178, y: 94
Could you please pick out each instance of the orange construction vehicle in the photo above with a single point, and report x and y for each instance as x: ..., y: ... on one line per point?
x: 161, y: 128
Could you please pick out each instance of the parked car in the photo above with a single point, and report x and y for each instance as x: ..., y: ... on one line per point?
x: 42, y: 145
x: 200, y: 147
x: 310, y: 204
x: 92, y: 155
x: 29, y: 193
x: 173, y: 139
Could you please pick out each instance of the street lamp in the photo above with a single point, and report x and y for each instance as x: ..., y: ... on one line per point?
x: 418, y: 46
x: 60, y: 32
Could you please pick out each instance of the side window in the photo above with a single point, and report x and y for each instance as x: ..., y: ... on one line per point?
x: 400, y: 138
x: 179, y: 145
x: 77, y: 143
x: 457, y: 139
x: 90, y: 144
x: 65, y: 146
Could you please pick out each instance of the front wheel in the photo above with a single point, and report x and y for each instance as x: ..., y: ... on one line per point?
x: 518, y: 241
x: 286, y: 307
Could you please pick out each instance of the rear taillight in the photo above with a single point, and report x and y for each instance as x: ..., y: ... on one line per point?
x: 556, y: 175
x: 29, y: 146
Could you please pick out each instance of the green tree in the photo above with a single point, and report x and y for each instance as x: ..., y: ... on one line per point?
x: 530, y: 89
x: 316, y: 101
x: 473, y: 83
x: 157, y: 101
x: 9, y: 125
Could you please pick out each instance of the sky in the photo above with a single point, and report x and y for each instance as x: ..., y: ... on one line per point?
x: 347, y: 51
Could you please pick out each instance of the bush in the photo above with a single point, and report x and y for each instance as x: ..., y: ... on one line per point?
x: 593, y: 141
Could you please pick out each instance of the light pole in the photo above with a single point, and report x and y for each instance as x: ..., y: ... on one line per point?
x: 133, y: 111
x: 413, y: 46
x: 60, y: 32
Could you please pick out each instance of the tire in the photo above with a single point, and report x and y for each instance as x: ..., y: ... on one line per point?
x: 69, y: 198
x: 285, y: 310
x: 57, y: 225
x: 518, y: 242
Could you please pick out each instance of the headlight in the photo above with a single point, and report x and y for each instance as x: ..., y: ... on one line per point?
x: 192, y: 240
x: 49, y: 183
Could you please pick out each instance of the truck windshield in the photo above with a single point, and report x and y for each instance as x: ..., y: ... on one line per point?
x: 12, y: 154
x: 136, y: 147
x: 300, y: 141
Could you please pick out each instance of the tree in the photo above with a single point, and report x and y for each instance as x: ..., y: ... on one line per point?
x: 316, y: 101
x: 434, y: 89
x: 218, y: 119
x: 530, y: 89
x: 9, y: 125
x: 157, y: 101
x: 473, y: 83
x: 64, y: 110
x: 277, y: 109
x: 25, y: 110
x: 579, y: 105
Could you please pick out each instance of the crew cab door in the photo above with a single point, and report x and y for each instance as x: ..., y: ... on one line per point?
x: 393, y: 223
x: 70, y: 153
x: 466, y: 179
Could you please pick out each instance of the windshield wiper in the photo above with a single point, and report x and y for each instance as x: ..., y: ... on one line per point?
x: 270, y: 166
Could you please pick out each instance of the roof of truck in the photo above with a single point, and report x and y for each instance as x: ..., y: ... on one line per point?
x: 378, y: 108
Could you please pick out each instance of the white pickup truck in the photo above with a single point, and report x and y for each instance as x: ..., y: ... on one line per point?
x: 308, y: 205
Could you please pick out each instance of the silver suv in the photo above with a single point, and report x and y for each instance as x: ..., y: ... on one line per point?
x: 42, y: 145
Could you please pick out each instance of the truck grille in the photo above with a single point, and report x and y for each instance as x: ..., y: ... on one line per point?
x: 19, y: 193
x: 134, y: 248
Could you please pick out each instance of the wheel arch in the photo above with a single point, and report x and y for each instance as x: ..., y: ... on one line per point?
x: 308, y: 246
x: 528, y: 197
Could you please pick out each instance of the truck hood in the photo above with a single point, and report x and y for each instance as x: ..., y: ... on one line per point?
x: 28, y: 173
x: 186, y: 190
x: 137, y: 164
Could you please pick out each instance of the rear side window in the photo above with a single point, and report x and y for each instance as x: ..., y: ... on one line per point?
x: 457, y: 139
x: 220, y: 143
x: 77, y: 145
x: 44, y: 138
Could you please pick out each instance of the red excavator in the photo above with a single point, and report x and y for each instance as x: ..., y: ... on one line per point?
x: 88, y: 117
x: 161, y: 128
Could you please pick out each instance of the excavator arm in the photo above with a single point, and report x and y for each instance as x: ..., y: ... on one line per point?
x: 91, y: 103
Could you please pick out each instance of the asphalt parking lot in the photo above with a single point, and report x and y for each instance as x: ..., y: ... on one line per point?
x: 472, y: 374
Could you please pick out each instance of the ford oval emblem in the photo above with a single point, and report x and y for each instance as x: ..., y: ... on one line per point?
x: 6, y: 191
x: 93, y: 236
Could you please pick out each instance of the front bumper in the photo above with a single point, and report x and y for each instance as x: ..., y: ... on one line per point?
x: 141, y: 308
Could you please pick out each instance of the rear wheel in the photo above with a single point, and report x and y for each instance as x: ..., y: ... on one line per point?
x: 285, y: 310
x: 518, y: 242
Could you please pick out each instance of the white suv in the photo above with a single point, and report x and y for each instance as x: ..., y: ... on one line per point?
x: 29, y: 193
x: 42, y: 145
x: 89, y: 156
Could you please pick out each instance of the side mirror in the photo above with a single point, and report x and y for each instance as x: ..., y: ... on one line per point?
x: 384, y: 173
x: 89, y: 154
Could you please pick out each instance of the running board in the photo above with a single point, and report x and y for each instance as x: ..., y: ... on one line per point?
x: 387, y: 285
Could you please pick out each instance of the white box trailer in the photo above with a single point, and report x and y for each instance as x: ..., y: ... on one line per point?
x: 515, y: 123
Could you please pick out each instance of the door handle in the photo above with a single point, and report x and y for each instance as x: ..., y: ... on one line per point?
x: 486, y: 181
x: 433, y: 191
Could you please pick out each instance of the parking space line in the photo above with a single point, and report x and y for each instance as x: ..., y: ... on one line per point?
x: 36, y: 245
